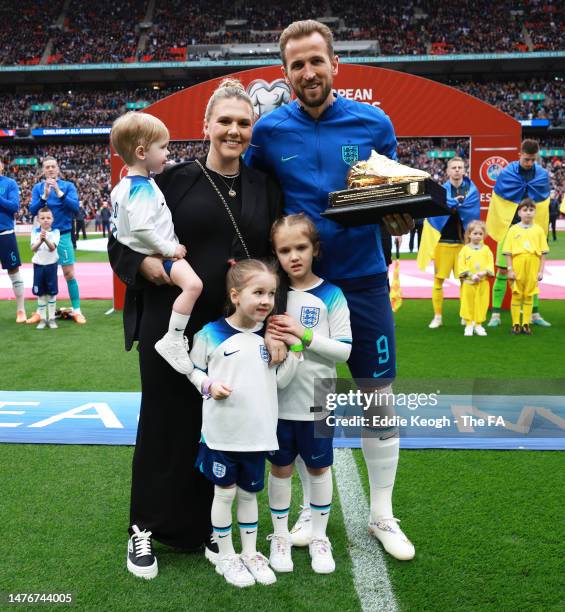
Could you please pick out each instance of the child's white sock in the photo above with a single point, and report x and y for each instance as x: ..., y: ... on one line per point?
x: 304, y: 479
x: 51, y: 307
x: 280, y: 491
x: 178, y: 323
x: 221, y: 519
x: 321, y: 489
x: 42, y: 307
x: 247, y: 517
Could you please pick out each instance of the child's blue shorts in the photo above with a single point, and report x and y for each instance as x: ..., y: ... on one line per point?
x: 225, y: 468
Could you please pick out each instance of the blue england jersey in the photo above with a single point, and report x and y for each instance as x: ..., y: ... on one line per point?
x: 63, y: 208
x: 9, y: 203
x: 310, y: 158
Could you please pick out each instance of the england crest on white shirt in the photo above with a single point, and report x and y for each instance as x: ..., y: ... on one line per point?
x: 265, y: 356
x: 219, y: 469
x: 309, y: 316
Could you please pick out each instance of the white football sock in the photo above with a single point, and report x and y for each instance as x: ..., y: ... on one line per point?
x: 280, y: 491
x: 42, y: 306
x: 221, y: 519
x: 178, y: 323
x: 51, y: 307
x: 321, y: 488
x: 18, y: 289
x: 304, y: 479
x: 247, y: 517
x: 381, y: 457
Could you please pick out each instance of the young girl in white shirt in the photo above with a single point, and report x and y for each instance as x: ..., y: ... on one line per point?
x: 239, y: 414
x: 317, y: 313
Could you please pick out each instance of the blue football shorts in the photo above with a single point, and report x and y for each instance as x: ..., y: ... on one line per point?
x: 373, y: 351
x: 306, y: 439
x: 225, y: 468
x: 9, y: 254
x: 45, y: 279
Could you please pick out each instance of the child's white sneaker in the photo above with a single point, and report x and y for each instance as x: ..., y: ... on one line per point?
x: 321, y: 555
x: 480, y: 330
x: 42, y: 324
x: 468, y: 330
x: 301, y: 533
x: 231, y: 567
x: 280, y: 557
x: 258, y: 567
x: 437, y: 321
x: 51, y: 324
x: 174, y: 350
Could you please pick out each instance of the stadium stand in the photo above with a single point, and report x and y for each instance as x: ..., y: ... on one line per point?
x: 100, y: 107
x: 80, y: 31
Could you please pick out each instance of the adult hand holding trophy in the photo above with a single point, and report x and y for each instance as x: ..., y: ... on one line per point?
x: 380, y: 187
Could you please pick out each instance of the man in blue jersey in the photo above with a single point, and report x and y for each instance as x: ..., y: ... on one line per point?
x: 309, y: 145
x: 62, y: 198
x: 9, y: 254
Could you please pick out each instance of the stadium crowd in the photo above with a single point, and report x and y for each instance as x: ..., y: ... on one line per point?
x: 74, y: 30
x: 99, y: 107
x: 88, y: 165
x: 31, y: 21
x: 88, y: 23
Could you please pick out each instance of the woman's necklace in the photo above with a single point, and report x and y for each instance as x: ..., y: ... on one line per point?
x: 233, y: 177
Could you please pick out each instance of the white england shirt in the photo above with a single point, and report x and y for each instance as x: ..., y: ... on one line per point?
x: 322, y: 308
x: 141, y: 218
x: 43, y: 256
x: 247, y: 419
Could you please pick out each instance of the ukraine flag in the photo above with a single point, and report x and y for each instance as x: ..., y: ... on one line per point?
x: 510, y: 189
x: 468, y: 211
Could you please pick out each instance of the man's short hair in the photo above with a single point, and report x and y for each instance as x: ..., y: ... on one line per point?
x: 48, y: 158
x: 530, y: 147
x: 300, y: 29
x: 455, y: 159
x: 136, y: 129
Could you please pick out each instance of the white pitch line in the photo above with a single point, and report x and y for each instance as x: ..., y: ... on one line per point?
x: 369, y: 569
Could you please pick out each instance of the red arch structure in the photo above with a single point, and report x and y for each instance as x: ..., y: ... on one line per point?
x: 418, y: 108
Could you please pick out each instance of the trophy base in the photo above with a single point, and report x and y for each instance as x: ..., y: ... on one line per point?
x: 368, y: 205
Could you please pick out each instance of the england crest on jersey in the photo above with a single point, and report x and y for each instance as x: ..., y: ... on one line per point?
x: 309, y: 316
x: 265, y: 356
x: 350, y: 154
x: 219, y: 469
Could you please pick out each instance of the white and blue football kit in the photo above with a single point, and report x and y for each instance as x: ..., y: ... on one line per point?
x: 141, y: 219
x: 9, y: 204
x: 242, y: 427
x: 45, y: 263
x: 310, y: 158
x: 323, y: 309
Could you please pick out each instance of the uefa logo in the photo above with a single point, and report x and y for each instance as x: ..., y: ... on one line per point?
x: 491, y: 168
x: 267, y: 97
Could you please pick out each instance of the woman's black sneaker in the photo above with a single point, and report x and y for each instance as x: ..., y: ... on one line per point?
x: 140, y: 560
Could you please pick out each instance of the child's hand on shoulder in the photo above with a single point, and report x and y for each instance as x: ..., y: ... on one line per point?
x: 219, y: 391
x: 286, y: 324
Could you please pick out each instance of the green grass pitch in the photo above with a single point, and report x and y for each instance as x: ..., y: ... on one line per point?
x: 486, y: 524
